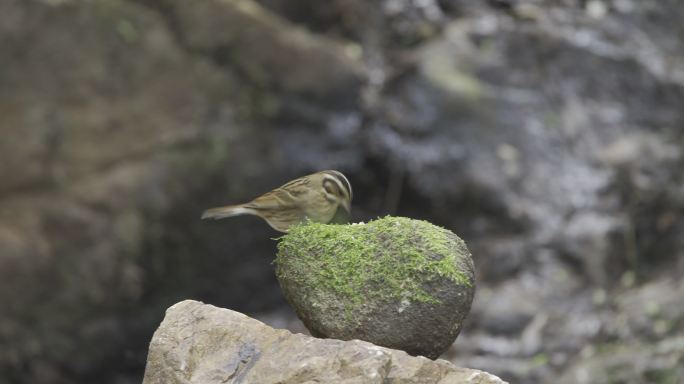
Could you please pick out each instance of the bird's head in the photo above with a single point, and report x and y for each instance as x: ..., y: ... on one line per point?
x: 337, y: 189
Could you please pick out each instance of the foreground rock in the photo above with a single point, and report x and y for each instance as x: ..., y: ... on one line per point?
x: 395, y: 282
x: 198, y: 343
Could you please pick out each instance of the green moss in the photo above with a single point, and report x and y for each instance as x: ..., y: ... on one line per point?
x: 669, y: 375
x: 127, y: 31
x: 540, y: 360
x: 389, y: 259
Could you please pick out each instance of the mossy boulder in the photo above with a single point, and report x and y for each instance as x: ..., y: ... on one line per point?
x: 396, y: 282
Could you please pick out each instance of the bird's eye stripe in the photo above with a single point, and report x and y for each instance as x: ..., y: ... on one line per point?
x: 342, y: 180
x: 345, y: 182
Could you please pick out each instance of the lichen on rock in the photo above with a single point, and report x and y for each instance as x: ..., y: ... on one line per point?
x: 394, y: 281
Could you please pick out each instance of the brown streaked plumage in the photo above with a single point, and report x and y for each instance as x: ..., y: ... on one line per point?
x: 318, y: 197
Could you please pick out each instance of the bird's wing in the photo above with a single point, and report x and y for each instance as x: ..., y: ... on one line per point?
x: 279, y: 208
x: 275, y: 199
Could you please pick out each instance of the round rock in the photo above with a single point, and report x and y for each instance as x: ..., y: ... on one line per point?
x: 395, y: 282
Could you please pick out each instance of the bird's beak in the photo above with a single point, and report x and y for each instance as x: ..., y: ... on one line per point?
x: 346, y: 204
x: 343, y: 213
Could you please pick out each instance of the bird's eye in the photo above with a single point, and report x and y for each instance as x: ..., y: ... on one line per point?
x: 331, y: 188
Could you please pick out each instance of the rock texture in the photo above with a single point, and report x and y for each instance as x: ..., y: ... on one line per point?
x: 395, y: 282
x: 107, y: 147
x: 198, y: 343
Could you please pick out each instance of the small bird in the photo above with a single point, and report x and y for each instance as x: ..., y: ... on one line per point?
x: 316, y: 197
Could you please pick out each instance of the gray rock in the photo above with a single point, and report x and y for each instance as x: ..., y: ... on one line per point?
x: 629, y: 363
x: 396, y: 282
x: 313, y: 64
x: 199, y: 343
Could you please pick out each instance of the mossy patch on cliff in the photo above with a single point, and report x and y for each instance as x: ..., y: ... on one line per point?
x: 390, y: 259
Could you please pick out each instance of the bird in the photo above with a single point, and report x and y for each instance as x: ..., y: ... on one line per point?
x: 322, y: 197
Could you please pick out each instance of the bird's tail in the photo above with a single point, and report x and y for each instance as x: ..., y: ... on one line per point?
x: 227, y: 211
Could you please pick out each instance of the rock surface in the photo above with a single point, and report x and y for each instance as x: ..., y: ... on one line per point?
x: 198, y: 343
x: 395, y: 282
x: 106, y: 146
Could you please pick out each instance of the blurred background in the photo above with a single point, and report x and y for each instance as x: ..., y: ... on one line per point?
x: 547, y: 134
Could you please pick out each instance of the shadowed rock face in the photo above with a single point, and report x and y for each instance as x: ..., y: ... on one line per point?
x: 199, y: 343
x: 395, y: 282
x: 121, y: 120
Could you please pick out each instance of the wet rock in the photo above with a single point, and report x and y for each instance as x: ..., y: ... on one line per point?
x: 110, y: 149
x: 96, y: 129
x: 198, y: 343
x: 629, y: 363
x: 587, y: 239
x: 654, y: 310
x: 549, y: 115
x: 285, y: 57
x: 506, y: 311
x: 395, y: 282
x: 643, y: 343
